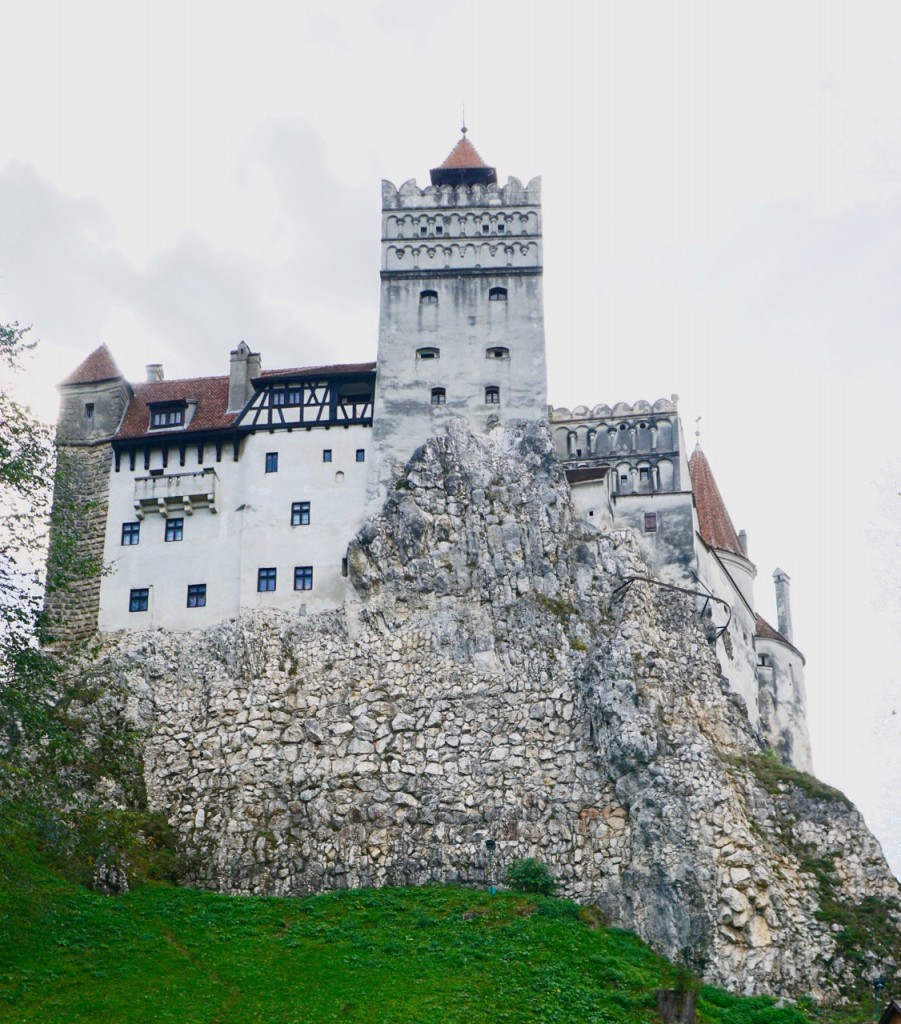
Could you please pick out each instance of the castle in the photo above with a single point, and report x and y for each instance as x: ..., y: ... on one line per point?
x: 218, y: 495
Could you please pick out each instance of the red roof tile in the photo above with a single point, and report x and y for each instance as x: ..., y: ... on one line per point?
x: 463, y: 155
x: 765, y: 630
x: 320, y: 371
x: 713, y: 519
x: 98, y: 366
x: 210, y: 394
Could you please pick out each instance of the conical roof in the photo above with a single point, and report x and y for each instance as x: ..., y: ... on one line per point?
x: 463, y: 166
x: 713, y: 520
x: 98, y: 366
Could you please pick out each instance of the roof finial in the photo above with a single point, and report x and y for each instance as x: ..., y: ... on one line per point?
x: 698, y: 431
x: 463, y: 129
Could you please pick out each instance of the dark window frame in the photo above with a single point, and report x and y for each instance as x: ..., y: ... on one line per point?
x: 131, y: 531
x: 265, y: 577
x: 428, y: 297
x: 196, y: 595
x: 139, y: 599
x: 492, y: 395
x: 175, y: 530
x: 439, y: 396
x: 361, y: 455
x: 300, y: 513
x: 271, y: 462
x: 651, y: 524
x: 326, y: 454
x: 303, y: 577
x: 497, y: 294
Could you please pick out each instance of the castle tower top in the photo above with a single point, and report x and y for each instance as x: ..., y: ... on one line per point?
x: 463, y: 166
x: 99, y: 366
x: 714, y: 521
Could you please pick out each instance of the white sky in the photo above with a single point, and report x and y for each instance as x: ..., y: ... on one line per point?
x: 722, y: 209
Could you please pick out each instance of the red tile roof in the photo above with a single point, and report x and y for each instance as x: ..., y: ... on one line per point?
x: 463, y: 156
x: 320, y: 371
x: 210, y: 394
x: 713, y: 519
x: 211, y: 397
x: 765, y: 630
x: 98, y: 366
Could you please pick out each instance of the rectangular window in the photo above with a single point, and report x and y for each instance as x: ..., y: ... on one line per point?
x: 303, y: 577
x: 138, y: 599
x: 650, y: 522
x: 300, y: 513
x: 271, y: 462
x: 131, y: 534
x: 265, y: 580
x: 167, y: 418
x: 284, y: 396
x: 88, y: 410
x: 197, y: 595
x: 326, y: 455
x: 644, y: 473
x: 361, y: 455
x: 175, y: 529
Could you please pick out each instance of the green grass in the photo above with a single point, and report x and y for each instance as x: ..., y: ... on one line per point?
x: 435, y: 954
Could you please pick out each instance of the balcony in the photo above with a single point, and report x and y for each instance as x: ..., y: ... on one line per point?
x: 183, y: 493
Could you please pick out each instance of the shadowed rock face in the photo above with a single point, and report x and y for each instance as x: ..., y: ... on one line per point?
x: 486, y: 679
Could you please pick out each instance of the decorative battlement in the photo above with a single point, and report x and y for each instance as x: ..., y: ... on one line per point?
x: 409, y: 196
x: 641, y: 407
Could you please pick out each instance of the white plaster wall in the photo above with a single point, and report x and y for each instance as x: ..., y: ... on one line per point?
x: 783, y: 702
x: 251, y: 529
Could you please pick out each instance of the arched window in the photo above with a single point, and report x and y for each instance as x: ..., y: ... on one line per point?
x: 428, y: 296
x: 497, y: 295
x: 428, y: 353
x: 439, y: 396
x: 492, y: 396
x: 497, y: 352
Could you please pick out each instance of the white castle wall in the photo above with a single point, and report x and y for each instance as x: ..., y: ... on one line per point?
x: 249, y: 529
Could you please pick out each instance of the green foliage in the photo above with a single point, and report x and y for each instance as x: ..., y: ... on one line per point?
x: 530, y: 875
x: 557, y: 606
x: 418, y: 956
x: 773, y: 774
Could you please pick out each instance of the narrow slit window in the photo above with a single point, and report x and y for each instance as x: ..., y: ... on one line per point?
x: 497, y: 295
x: 88, y: 410
x: 439, y: 396
x: 428, y: 297
x: 492, y: 396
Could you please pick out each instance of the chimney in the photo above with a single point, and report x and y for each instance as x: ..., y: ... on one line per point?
x: 743, y: 540
x: 154, y: 372
x: 783, y: 603
x: 245, y: 365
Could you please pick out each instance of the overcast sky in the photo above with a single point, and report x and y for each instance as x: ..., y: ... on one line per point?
x: 722, y: 215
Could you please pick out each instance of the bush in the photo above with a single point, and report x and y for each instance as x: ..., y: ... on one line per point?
x: 530, y: 875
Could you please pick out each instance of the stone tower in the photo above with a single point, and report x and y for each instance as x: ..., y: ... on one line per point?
x: 461, y: 327
x: 93, y: 399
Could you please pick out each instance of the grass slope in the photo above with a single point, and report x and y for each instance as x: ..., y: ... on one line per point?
x: 436, y: 954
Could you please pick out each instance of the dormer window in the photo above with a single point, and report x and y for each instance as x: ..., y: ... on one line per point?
x: 428, y: 353
x: 497, y: 352
x: 497, y: 295
x: 166, y: 416
x: 427, y: 297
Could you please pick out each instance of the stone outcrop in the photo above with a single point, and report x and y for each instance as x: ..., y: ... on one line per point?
x: 490, y: 677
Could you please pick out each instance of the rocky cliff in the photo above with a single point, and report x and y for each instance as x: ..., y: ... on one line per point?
x: 490, y: 677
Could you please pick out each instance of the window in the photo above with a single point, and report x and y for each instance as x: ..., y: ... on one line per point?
x: 501, y: 228
x: 167, y: 416
x: 650, y: 522
x: 423, y: 230
x: 497, y: 294
x: 303, y: 577
x: 138, y: 599
x: 300, y: 513
x: 88, y: 410
x: 271, y: 462
x: 361, y: 455
x: 428, y: 297
x: 174, y: 529
x: 497, y: 352
x: 486, y: 228
x: 265, y: 580
x: 439, y: 230
x: 428, y: 353
x: 439, y: 396
x: 284, y: 396
x: 492, y: 396
x: 326, y: 455
x: 644, y: 473
x: 197, y: 595
x: 131, y: 534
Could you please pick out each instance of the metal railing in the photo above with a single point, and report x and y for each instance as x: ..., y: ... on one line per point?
x: 708, y: 597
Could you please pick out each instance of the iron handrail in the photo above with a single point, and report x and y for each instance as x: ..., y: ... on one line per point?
x: 708, y: 597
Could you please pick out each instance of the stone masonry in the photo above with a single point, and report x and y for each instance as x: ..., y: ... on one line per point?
x: 488, y: 678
